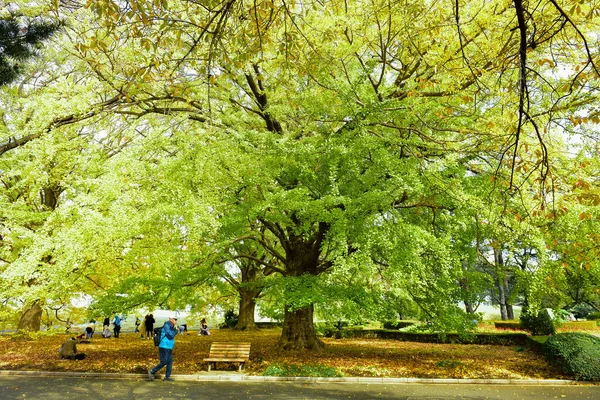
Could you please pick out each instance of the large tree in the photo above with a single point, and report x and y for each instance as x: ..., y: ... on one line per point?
x: 354, y: 127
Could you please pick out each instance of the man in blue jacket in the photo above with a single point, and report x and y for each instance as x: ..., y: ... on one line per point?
x: 165, y: 349
x: 117, y: 324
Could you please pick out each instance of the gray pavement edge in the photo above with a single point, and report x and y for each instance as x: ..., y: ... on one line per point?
x: 240, y: 377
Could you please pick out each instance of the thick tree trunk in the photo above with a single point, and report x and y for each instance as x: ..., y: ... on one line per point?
x: 31, y: 318
x: 247, y: 307
x: 299, y: 330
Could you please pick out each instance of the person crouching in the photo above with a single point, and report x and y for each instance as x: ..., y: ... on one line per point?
x: 68, y: 350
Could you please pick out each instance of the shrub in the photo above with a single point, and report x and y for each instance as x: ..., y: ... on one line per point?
x: 515, y: 325
x: 576, y: 353
x: 580, y: 311
x: 310, y: 370
x: 231, y: 319
x: 540, y: 324
x: 594, y: 316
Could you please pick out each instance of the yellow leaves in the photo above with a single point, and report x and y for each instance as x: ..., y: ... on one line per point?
x: 581, y: 184
x: 355, y: 357
x: 545, y: 61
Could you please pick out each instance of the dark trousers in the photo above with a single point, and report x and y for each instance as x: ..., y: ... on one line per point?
x: 117, y: 330
x: 166, y: 359
x: 77, y: 356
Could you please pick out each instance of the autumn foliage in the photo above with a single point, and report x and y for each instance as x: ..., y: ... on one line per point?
x: 351, y: 357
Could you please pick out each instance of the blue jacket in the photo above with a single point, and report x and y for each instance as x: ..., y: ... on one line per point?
x: 167, y: 336
x: 117, y: 320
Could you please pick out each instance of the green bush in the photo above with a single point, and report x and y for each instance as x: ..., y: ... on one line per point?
x: 310, y: 370
x: 231, y: 320
x: 540, y: 324
x: 594, y: 316
x: 576, y: 353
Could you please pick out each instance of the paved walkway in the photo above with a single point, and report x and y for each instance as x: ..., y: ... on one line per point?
x: 89, y: 386
x: 215, y: 376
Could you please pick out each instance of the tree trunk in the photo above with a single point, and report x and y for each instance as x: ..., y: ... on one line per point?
x: 469, y: 307
x: 503, y: 312
x: 501, y: 273
x: 299, y: 330
x: 510, y: 312
x: 31, y: 318
x: 247, y: 307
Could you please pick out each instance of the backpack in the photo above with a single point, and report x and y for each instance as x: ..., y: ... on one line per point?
x: 157, y: 332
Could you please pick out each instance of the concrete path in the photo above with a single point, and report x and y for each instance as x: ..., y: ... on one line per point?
x: 233, y: 386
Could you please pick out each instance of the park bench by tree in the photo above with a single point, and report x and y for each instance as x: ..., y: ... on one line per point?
x: 228, y: 352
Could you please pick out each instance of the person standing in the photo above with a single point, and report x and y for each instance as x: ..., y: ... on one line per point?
x: 117, y: 324
x: 137, y: 324
x: 150, y: 326
x: 143, y: 328
x: 165, y: 349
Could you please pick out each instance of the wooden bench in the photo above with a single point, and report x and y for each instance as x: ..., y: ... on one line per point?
x: 228, y: 352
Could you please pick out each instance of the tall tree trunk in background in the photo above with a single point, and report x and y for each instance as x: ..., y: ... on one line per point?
x: 501, y: 277
x: 510, y: 312
x: 464, y: 284
x: 31, y: 319
x: 247, y: 308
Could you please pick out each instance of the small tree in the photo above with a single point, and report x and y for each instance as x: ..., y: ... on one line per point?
x: 538, y: 324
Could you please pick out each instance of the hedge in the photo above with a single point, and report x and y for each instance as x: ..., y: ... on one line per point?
x: 578, y: 325
x: 397, y: 324
x: 480, y: 338
x: 515, y: 325
x: 578, y: 354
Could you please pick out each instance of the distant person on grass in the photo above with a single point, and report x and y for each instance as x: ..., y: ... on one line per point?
x: 203, y: 328
x: 68, y: 350
x: 149, y: 325
x: 143, y: 328
x: 89, y: 332
x: 117, y: 325
x: 106, y: 332
x: 165, y: 349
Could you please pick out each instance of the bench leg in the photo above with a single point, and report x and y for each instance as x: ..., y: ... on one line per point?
x: 241, y: 366
x: 209, y: 364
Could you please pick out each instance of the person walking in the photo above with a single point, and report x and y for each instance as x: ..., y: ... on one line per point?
x: 165, y: 349
x: 117, y: 325
x: 149, y: 326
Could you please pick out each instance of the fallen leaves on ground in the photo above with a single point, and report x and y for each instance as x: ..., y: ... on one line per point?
x: 353, y: 357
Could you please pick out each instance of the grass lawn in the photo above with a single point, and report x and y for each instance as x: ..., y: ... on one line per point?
x: 353, y: 357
